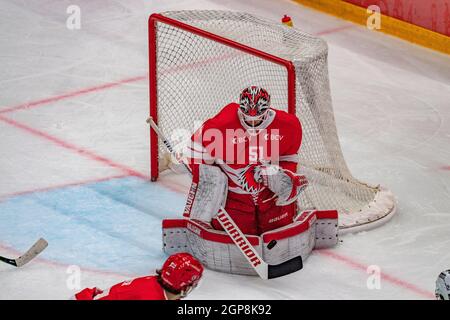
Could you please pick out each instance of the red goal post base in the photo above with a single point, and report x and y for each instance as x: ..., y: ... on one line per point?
x: 216, y: 250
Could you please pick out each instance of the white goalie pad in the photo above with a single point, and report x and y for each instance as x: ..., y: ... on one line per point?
x: 213, y: 248
x: 285, y: 243
x: 217, y: 251
x: 311, y: 229
x: 206, y: 195
x: 327, y: 229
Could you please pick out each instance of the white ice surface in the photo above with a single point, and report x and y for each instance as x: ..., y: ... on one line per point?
x: 392, y: 107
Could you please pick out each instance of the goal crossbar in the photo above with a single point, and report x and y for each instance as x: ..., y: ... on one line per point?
x: 153, y: 80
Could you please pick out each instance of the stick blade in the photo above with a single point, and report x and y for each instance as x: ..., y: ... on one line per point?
x: 285, y: 268
x: 36, y: 249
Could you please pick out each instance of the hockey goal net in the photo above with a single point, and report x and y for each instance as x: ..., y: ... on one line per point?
x: 201, y: 60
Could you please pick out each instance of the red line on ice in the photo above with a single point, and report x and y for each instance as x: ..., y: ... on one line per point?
x: 29, y: 105
x: 445, y: 168
x: 61, y: 186
x: 391, y: 279
x: 83, y: 152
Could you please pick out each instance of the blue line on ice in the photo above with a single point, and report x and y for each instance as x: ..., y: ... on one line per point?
x: 113, y: 225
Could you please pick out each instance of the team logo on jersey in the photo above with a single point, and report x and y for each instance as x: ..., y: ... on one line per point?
x: 243, y: 177
x: 246, y: 179
x: 236, y: 140
x: 273, y: 136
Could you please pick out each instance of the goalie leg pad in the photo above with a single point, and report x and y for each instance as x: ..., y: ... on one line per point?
x: 326, y: 226
x: 174, y: 236
x: 297, y: 238
x: 208, y: 192
x: 213, y: 248
x: 327, y: 229
x: 310, y: 230
x: 271, y: 216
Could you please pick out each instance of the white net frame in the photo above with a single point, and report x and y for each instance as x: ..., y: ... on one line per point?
x: 201, y: 60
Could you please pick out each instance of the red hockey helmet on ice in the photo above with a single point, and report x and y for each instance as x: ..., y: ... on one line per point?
x: 180, y: 272
x: 254, y: 103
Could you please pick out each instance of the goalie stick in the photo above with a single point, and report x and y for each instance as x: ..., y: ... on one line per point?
x: 264, y: 270
x: 36, y: 249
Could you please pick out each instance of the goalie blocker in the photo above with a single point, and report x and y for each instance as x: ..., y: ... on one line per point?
x: 312, y: 229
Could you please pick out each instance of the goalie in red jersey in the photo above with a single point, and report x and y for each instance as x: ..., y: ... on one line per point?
x: 178, y: 276
x: 255, y: 147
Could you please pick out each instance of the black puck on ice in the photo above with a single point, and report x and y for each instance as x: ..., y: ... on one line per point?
x: 272, y: 244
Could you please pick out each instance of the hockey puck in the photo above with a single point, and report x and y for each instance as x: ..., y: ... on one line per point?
x: 272, y: 244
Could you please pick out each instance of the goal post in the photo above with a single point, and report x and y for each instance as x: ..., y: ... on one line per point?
x: 200, y: 60
x: 152, y: 34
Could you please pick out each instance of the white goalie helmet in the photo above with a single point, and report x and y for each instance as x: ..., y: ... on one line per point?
x: 254, y: 104
x: 443, y: 286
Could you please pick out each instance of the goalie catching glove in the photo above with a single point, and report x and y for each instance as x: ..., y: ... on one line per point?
x: 285, y: 184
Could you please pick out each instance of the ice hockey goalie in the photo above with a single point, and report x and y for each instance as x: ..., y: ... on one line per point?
x: 245, y: 160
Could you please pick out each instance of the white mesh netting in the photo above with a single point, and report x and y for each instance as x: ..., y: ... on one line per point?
x: 197, y: 76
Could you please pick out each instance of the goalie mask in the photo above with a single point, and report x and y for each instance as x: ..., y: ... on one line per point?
x: 254, y: 104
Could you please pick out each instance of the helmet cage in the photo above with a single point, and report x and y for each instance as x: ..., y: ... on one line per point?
x: 254, y: 104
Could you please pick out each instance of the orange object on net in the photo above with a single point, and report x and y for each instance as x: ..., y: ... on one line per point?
x: 287, y: 21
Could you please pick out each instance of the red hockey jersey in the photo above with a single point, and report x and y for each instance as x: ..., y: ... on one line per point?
x: 229, y: 142
x: 145, y: 288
